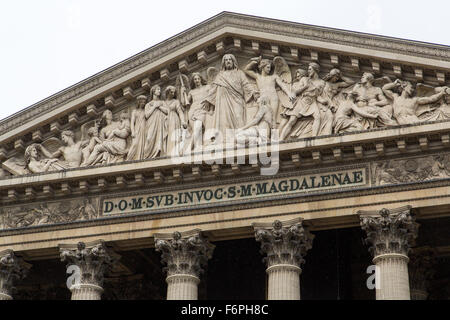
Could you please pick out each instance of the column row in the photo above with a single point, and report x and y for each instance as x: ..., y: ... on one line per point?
x: 390, y: 234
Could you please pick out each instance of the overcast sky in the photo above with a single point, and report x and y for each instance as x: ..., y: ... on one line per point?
x: 47, y: 46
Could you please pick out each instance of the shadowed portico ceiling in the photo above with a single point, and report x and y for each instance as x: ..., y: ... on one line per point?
x: 212, y: 33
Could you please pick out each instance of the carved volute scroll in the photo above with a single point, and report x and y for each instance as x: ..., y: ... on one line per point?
x: 283, y: 242
x: 389, y: 231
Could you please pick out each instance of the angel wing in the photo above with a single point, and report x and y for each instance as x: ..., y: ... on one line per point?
x: 211, y: 74
x: 182, y: 81
x: 52, y: 144
x: 282, y: 69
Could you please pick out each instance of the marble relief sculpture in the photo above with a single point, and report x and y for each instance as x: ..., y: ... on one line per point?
x: 156, y: 124
x: 371, y: 99
x: 36, y: 163
x: 176, y: 122
x: 228, y: 94
x: 138, y: 128
x: 268, y: 83
x: 405, y: 106
x: 258, y: 130
x: 113, y: 136
x: 310, y: 102
x: 196, y: 115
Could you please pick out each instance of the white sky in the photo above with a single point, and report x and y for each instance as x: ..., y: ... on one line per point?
x: 47, y: 46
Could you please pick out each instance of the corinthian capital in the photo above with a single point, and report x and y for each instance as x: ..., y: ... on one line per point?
x: 389, y: 231
x: 12, y: 269
x: 93, y: 259
x: 283, y: 242
x: 184, y: 253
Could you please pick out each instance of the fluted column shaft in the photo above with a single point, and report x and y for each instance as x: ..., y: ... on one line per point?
x: 182, y: 287
x: 86, y: 292
x: 284, y: 282
x: 12, y: 269
x: 284, y: 244
x: 390, y: 234
x: 393, y: 273
x: 91, y: 260
x: 185, y: 255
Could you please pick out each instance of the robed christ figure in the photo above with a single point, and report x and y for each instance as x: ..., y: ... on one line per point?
x: 228, y: 95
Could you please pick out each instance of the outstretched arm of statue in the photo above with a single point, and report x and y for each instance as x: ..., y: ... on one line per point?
x: 431, y: 99
x: 345, y: 83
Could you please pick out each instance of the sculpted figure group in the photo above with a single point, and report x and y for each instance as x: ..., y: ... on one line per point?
x: 175, y: 121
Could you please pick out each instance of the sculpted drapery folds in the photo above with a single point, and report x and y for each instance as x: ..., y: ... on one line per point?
x: 310, y: 102
x: 156, y: 124
x: 138, y: 128
x: 228, y: 94
x: 310, y: 106
x: 176, y: 123
x: 113, y: 136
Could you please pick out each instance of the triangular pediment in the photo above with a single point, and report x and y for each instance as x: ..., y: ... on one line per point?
x: 202, y: 47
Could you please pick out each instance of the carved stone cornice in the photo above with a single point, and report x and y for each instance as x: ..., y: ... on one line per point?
x: 284, y: 243
x: 421, y: 269
x: 233, y: 21
x: 389, y: 231
x: 12, y: 269
x: 93, y: 258
x: 184, y: 253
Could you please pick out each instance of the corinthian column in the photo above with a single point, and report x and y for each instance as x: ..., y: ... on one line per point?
x: 285, y: 244
x: 422, y: 261
x: 390, y: 234
x: 185, y: 255
x: 12, y: 269
x: 88, y: 263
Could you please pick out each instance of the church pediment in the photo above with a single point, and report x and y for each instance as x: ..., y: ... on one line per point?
x: 326, y: 91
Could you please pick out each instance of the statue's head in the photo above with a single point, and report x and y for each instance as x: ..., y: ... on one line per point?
x: 67, y: 135
x: 229, y: 62
x: 93, y: 131
x: 313, y: 68
x: 197, y: 80
x: 107, y: 115
x: 170, y: 92
x: 266, y: 65
x: 407, y: 87
x: 141, y: 100
x: 334, y: 75
x: 367, y: 77
x: 155, y: 91
x: 30, y: 153
x: 300, y: 73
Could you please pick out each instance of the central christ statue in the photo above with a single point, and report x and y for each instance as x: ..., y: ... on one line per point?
x: 228, y: 94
